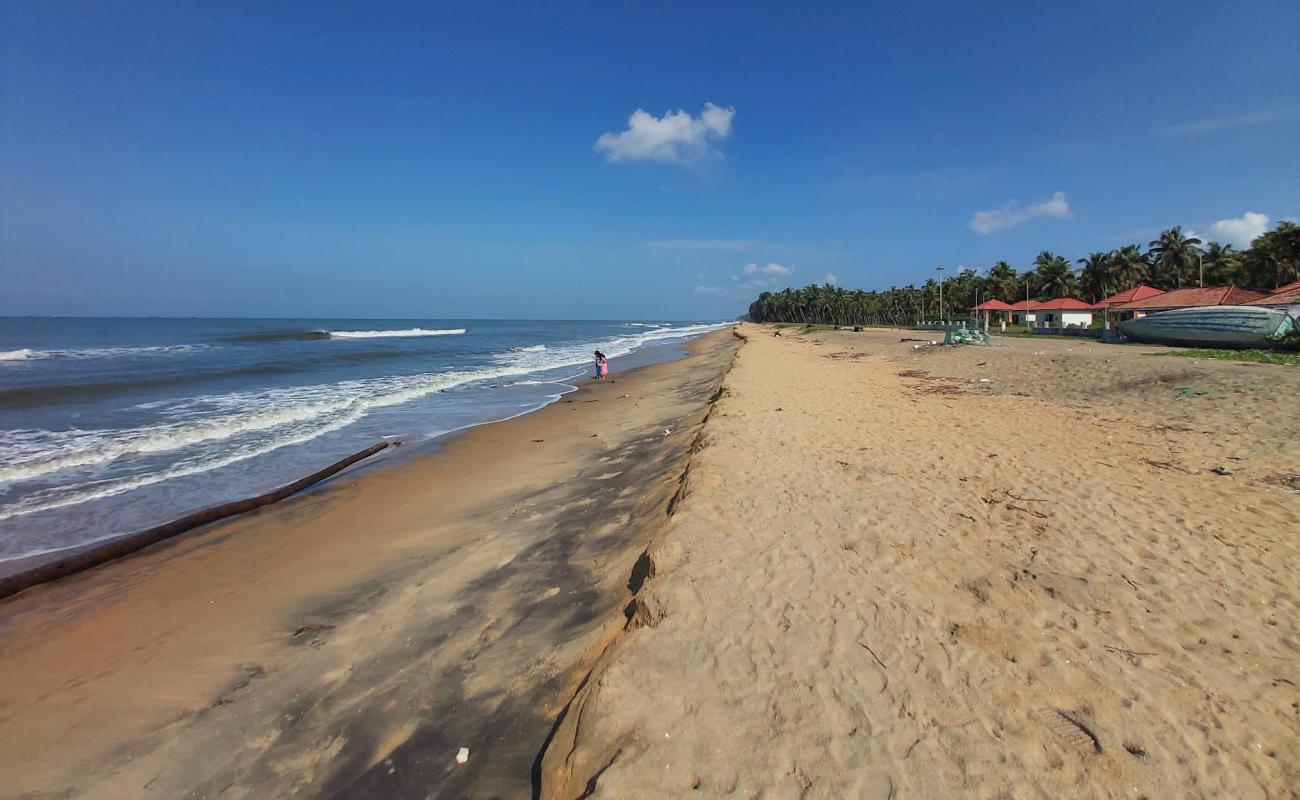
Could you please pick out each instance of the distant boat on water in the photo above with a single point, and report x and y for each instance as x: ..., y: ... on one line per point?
x: 1216, y: 326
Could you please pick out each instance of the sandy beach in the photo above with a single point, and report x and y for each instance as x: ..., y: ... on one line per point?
x: 349, y: 642
x: 890, y: 579
x: 823, y: 564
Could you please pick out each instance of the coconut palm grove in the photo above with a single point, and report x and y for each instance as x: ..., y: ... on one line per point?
x: 1172, y: 261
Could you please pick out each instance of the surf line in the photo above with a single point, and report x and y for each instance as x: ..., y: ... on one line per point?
x: 98, y: 554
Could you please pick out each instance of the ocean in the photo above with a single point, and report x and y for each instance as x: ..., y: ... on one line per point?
x: 108, y: 426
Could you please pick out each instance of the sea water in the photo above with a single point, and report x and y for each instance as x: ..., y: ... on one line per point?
x: 112, y: 425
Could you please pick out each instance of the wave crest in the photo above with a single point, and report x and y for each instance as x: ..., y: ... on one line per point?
x: 395, y: 334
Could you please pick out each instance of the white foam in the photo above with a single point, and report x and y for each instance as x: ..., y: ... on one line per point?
x: 249, y: 424
x: 532, y: 348
x: 98, y: 352
x: 396, y: 334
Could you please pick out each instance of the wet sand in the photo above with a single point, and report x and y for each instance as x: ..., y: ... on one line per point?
x: 349, y: 642
x: 890, y: 579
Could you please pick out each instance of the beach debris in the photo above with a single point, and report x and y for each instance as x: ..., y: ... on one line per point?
x: 1187, y: 391
x: 1041, y: 353
x: 462, y: 755
x: 964, y: 335
x: 1221, y: 471
x: 1073, y: 727
x: 985, y: 380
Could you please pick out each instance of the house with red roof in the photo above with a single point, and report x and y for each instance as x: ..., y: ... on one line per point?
x: 990, y: 307
x: 1063, y: 312
x: 1022, y: 312
x: 1282, y: 297
x: 1190, y: 297
x: 1112, y: 318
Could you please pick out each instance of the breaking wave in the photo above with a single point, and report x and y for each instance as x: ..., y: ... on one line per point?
x: 395, y: 334
x: 199, y: 434
x: 26, y: 354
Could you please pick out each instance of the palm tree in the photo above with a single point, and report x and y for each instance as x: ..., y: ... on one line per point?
x: 1128, y: 267
x: 1054, y: 276
x: 1003, y: 283
x: 1223, y: 265
x: 1274, y: 257
x: 1174, y: 254
x: 1095, y: 278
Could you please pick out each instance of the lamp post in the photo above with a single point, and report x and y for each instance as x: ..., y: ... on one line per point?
x: 939, y: 269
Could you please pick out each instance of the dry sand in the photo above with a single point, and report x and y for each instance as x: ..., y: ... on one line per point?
x: 888, y: 579
x: 349, y: 642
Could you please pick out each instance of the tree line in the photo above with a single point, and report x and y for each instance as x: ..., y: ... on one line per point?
x: 1172, y: 261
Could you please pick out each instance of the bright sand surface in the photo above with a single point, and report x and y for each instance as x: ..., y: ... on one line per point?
x: 869, y: 574
x: 889, y: 579
x: 349, y: 642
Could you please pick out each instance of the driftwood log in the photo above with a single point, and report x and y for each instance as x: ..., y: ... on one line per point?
x: 94, y: 555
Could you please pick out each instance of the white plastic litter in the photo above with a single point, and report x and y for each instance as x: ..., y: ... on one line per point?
x: 462, y: 755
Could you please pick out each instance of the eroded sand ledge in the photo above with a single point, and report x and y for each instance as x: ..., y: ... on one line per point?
x: 348, y: 643
x: 887, y: 583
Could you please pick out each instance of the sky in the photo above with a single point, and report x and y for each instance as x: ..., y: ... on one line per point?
x: 611, y: 160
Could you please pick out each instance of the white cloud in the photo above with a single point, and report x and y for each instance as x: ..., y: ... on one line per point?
x: 675, y: 138
x: 1240, y: 231
x: 1213, y: 124
x: 1010, y: 215
x: 831, y: 279
x: 751, y: 279
x: 767, y: 269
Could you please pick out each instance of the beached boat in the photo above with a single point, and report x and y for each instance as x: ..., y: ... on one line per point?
x: 1215, y: 326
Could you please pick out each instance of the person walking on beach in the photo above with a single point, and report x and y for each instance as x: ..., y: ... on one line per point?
x: 602, y: 366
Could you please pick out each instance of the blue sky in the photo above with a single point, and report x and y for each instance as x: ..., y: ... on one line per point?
x: 419, y: 160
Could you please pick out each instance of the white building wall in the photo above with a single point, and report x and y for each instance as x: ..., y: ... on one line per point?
x: 1063, y: 319
x: 1081, y: 318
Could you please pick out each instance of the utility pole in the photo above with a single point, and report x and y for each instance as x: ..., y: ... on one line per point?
x: 1200, y: 266
x: 939, y: 269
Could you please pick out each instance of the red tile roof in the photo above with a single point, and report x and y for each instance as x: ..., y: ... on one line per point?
x: 992, y: 305
x: 1023, y: 305
x: 1284, y: 296
x: 1140, y: 292
x: 1064, y: 304
x: 1196, y: 296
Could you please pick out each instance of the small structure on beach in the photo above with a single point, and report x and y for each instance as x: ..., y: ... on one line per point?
x: 1112, y: 316
x: 1063, y: 312
x: 990, y: 307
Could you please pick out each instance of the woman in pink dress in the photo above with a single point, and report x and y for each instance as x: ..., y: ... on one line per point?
x: 602, y: 365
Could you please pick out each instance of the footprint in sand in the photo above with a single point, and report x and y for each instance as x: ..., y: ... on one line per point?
x: 607, y: 475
